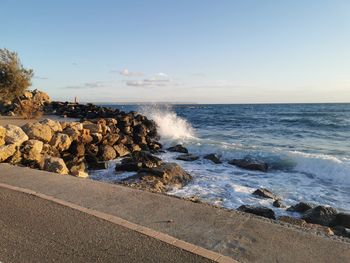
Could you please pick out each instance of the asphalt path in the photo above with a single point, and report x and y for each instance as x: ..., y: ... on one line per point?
x: 37, y: 230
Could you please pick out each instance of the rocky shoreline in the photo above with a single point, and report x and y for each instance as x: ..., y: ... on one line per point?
x: 102, y: 134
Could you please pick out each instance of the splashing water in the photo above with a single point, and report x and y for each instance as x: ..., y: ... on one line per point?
x: 170, y: 126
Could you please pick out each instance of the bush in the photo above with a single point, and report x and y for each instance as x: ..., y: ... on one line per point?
x: 14, y: 78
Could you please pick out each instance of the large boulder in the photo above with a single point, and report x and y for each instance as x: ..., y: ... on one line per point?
x: 92, y: 127
x: 2, y: 135
x: 160, y: 179
x: 177, y: 148
x: 38, y: 131
x: 54, y: 125
x: 258, y: 210
x: 250, y: 164
x: 61, y: 141
x: 138, y: 160
x: 322, y: 215
x: 265, y: 193
x: 301, y: 207
x: 6, y: 151
x: 73, y: 133
x: 49, y: 150
x: 32, y: 150
x: 55, y: 165
x: 15, y: 135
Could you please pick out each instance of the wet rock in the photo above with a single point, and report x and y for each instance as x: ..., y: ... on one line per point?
x: 177, y: 148
x: 107, y: 153
x: 342, y: 219
x: 139, y: 160
x: 55, y: 165
x: 6, y: 151
x: 38, y: 131
x: 121, y: 150
x: 265, y: 193
x: 54, y: 125
x: 61, y: 141
x: 321, y: 215
x: 301, y: 207
x: 2, y: 135
x: 15, y: 135
x: 213, y: 157
x: 32, y: 150
x: 278, y: 204
x: 250, y: 164
x: 159, y: 179
x: 258, y: 210
x: 187, y: 157
x: 128, y: 167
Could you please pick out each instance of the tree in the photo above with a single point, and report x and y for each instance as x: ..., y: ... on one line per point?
x: 14, y: 78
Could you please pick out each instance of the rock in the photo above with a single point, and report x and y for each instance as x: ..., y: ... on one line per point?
x: 2, y: 135
x: 128, y: 167
x: 85, y: 136
x: 187, y: 157
x: 258, y: 210
x: 16, y: 158
x: 341, y: 231
x: 300, y: 207
x: 107, y: 153
x: 92, y: 127
x: 139, y: 160
x: 321, y: 215
x: 48, y: 150
x: 293, y: 220
x: 121, y: 150
x: 213, y: 157
x: 32, y: 150
x: 135, y: 148
x: 78, y: 170
x: 6, y: 151
x: 111, y: 139
x: 73, y: 133
x: 77, y: 149
x: 96, y: 138
x: 342, y: 219
x: 61, y: 142
x: 265, y: 193
x: 38, y: 131
x: 55, y: 165
x: 250, y: 164
x: 177, y: 148
x: 54, y: 125
x: 159, y: 179
x: 15, y: 135
x: 278, y: 203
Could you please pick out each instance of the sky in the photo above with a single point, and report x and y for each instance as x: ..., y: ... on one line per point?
x: 186, y: 51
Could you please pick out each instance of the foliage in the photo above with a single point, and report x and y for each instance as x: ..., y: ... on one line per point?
x: 14, y: 78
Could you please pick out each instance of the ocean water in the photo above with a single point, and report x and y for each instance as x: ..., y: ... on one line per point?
x: 307, y: 147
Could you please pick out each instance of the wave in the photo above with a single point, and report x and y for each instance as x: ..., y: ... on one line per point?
x: 170, y: 125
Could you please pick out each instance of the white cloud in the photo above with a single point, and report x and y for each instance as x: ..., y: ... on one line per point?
x: 159, y: 80
x: 125, y: 72
x: 87, y: 85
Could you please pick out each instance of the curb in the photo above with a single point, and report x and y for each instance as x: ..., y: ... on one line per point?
x: 214, y: 256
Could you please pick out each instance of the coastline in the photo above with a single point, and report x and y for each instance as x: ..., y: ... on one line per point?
x: 242, y: 236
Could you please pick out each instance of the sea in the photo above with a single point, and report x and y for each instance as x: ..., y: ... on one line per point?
x: 307, y: 148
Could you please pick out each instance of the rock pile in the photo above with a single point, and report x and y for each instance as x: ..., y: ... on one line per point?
x: 73, y: 147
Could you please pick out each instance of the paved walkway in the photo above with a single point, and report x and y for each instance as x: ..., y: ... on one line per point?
x: 36, y: 230
x: 244, y: 237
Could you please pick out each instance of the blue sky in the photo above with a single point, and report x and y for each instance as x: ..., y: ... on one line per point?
x: 183, y: 51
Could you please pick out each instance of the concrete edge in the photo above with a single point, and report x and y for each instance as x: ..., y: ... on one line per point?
x: 214, y: 256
